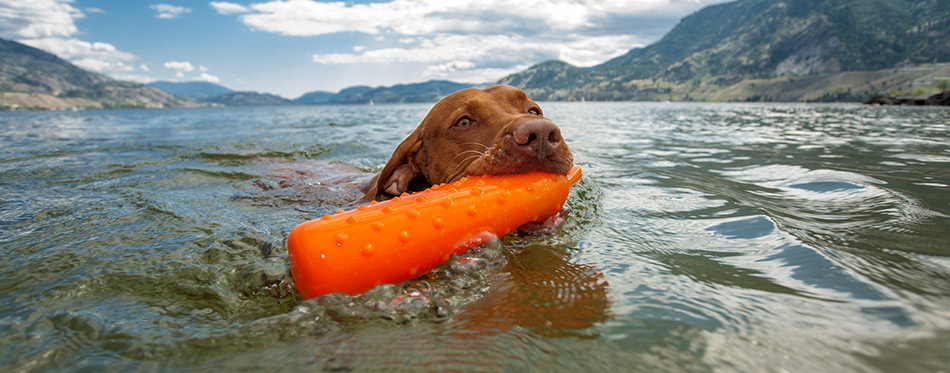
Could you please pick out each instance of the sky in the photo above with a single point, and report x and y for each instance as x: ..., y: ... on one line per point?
x: 290, y: 47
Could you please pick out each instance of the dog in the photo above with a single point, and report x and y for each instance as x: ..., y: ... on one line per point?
x: 493, y: 131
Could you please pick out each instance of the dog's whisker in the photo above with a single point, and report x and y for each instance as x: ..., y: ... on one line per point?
x: 460, y: 168
x: 476, y: 143
x: 475, y: 152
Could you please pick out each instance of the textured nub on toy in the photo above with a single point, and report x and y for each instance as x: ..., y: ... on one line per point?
x: 402, y: 238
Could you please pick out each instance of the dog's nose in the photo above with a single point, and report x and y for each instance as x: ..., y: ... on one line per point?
x: 536, y: 137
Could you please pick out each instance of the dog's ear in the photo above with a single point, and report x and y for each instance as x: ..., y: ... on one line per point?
x: 400, y: 170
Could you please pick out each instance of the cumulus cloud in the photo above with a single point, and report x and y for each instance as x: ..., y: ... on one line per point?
x: 96, y: 56
x: 208, y: 78
x: 488, y: 56
x: 179, y: 67
x: 442, y: 47
x: 475, y: 37
x: 443, y: 70
x: 223, y: 7
x: 132, y: 77
x: 422, y: 17
x: 183, y: 66
x: 168, y: 11
x: 50, y: 25
x: 37, y: 19
x: 412, y: 17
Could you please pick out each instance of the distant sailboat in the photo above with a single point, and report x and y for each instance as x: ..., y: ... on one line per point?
x: 371, y: 102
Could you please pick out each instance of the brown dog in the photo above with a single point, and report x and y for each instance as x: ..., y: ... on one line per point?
x: 494, y: 131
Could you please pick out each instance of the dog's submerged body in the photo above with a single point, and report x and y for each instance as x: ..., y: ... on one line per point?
x: 494, y: 131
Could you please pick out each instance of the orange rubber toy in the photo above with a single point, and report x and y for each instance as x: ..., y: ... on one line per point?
x: 402, y: 238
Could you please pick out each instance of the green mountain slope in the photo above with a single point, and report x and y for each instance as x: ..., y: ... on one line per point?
x: 216, y: 94
x: 246, y: 98
x: 314, y: 97
x: 430, y: 91
x: 197, y: 91
x: 722, y: 45
x: 32, y: 78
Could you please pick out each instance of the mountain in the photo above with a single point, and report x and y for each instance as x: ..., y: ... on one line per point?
x: 315, y: 97
x: 197, y: 91
x: 216, y: 94
x: 747, y: 48
x: 344, y: 94
x: 32, y: 78
x: 245, y: 98
x: 430, y: 91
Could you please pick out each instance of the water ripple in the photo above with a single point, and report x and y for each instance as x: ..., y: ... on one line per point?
x: 703, y: 237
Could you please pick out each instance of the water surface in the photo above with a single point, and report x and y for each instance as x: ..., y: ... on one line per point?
x: 703, y: 237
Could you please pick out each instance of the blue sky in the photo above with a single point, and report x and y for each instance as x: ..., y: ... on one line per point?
x: 289, y: 47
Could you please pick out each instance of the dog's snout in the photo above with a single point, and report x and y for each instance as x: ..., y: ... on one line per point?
x: 536, y: 137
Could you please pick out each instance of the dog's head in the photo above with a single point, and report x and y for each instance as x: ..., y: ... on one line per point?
x: 494, y: 131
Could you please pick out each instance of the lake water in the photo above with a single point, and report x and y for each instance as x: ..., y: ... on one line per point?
x: 703, y: 237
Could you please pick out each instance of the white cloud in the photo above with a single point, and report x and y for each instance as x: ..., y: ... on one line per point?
x: 208, y: 78
x: 223, y: 7
x: 182, y: 67
x: 179, y: 67
x: 475, y: 37
x: 133, y: 77
x: 36, y: 19
x: 423, y: 17
x: 489, y: 56
x: 591, y: 50
x: 50, y: 25
x: 168, y: 11
x: 463, y: 71
x: 413, y: 17
x: 443, y: 70
x: 96, y: 56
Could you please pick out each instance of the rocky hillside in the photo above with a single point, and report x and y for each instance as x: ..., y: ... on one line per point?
x: 430, y: 91
x: 718, y: 47
x: 314, y: 97
x: 245, y: 98
x: 32, y: 78
x: 196, y: 91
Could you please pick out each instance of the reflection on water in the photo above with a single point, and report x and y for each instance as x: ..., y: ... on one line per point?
x: 702, y: 237
x: 542, y: 291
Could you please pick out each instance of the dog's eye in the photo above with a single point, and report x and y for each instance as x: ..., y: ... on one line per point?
x: 534, y: 111
x: 464, y: 123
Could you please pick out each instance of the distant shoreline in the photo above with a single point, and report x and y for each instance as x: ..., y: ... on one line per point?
x: 939, y: 99
x: 19, y: 101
